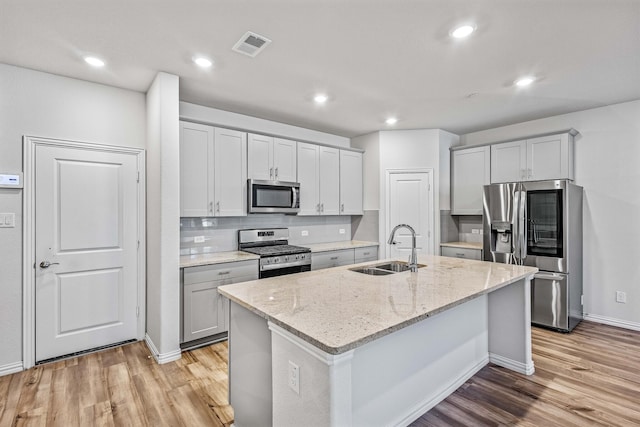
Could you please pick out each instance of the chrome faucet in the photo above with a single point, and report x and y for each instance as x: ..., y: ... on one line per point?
x: 413, y: 261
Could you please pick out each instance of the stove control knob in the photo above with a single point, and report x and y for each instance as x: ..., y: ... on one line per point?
x: 276, y: 260
x: 286, y: 258
x: 297, y: 256
x: 266, y: 261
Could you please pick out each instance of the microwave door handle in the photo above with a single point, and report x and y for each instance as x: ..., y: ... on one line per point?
x: 295, y: 197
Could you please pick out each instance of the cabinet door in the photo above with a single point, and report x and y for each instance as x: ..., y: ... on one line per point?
x: 461, y: 253
x: 260, y: 157
x: 308, y: 177
x: 204, y: 311
x: 470, y: 171
x: 230, y: 169
x: 508, y: 162
x: 284, y: 160
x: 548, y: 157
x: 329, y: 181
x: 320, y: 260
x: 196, y: 163
x: 350, y: 183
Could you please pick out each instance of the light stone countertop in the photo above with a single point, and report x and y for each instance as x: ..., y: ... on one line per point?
x: 463, y: 245
x: 336, y: 246
x: 215, y: 258
x: 338, y: 310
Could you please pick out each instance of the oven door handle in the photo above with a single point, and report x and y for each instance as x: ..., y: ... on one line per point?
x: 295, y: 197
x: 268, y: 267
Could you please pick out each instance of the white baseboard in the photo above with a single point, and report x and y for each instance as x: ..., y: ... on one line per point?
x: 11, y: 368
x: 164, y: 357
x: 613, y: 322
x: 423, y: 407
x: 514, y: 365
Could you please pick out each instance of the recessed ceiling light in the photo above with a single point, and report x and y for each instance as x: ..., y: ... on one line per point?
x: 524, y: 81
x: 93, y: 61
x: 320, y: 98
x: 203, y: 62
x: 391, y: 121
x: 463, y: 31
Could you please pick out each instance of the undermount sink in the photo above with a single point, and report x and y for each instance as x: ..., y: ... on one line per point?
x: 384, y: 268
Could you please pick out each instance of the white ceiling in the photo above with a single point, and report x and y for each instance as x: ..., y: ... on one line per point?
x: 374, y: 58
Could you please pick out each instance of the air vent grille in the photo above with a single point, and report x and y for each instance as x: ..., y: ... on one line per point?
x: 251, y: 44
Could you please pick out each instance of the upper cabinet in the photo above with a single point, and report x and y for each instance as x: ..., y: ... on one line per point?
x: 350, y: 183
x: 319, y: 178
x: 271, y: 158
x: 534, y: 159
x: 470, y: 170
x: 213, y: 171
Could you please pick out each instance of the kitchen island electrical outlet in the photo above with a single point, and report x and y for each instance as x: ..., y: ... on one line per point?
x: 341, y: 231
x: 294, y: 377
x: 621, y: 297
x: 304, y: 233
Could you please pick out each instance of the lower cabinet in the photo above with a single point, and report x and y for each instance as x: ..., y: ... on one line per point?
x: 461, y: 252
x: 204, y: 310
x: 320, y: 260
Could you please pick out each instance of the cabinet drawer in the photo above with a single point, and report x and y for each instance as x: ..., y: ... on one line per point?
x: 461, y: 253
x: 331, y: 259
x: 365, y: 254
x: 247, y: 270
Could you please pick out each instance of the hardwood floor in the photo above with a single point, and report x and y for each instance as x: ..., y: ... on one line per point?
x: 588, y: 377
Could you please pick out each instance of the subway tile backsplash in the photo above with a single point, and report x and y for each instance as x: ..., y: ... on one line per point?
x: 207, y: 235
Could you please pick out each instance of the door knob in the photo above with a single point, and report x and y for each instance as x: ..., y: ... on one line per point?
x: 47, y: 264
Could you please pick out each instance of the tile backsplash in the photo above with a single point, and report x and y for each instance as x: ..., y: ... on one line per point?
x: 207, y: 235
x: 460, y: 228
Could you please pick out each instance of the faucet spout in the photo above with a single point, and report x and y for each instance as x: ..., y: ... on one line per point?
x: 413, y: 259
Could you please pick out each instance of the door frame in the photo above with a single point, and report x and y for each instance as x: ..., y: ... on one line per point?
x: 430, y: 199
x: 28, y: 235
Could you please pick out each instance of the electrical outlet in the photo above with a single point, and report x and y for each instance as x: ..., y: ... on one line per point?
x: 304, y: 233
x: 621, y: 297
x: 294, y: 377
x: 7, y: 220
x: 476, y: 230
x: 198, y: 239
x: 341, y: 231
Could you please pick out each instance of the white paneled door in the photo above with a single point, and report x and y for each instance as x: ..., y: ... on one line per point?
x: 410, y: 202
x: 86, y: 242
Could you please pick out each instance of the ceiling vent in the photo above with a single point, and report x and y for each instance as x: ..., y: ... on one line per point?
x: 251, y: 44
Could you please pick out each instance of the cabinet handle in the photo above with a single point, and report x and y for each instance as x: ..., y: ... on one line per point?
x: 321, y: 207
x: 365, y: 253
x: 211, y: 207
x: 222, y: 273
x: 218, y: 207
x: 318, y: 208
x: 342, y: 207
x: 276, y: 174
x: 530, y: 173
x: 271, y: 173
x: 460, y: 255
x: 333, y: 258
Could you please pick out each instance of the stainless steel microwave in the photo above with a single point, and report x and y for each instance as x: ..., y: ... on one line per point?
x: 273, y: 197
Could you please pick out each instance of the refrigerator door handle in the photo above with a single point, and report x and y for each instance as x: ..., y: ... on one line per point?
x: 515, y: 224
x: 550, y: 276
x: 523, y: 229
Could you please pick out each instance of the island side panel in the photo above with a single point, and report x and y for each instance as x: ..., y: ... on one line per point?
x: 399, y: 377
x: 250, y: 391
x: 510, y: 327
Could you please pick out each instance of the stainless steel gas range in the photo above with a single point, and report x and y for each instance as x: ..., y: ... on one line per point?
x: 277, y: 256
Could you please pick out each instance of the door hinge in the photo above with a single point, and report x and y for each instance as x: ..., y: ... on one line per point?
x: 138, y: 311
x: 138, y: 177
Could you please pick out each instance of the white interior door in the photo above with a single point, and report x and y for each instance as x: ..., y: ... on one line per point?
x: 86, y: 227
x: 410, y: 202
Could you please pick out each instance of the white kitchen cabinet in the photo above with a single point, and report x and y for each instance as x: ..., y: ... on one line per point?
x: 350, y: 183
x: 204, y: 310
x: 366, y: 254
x: 271, y: 158
x: 470, y: 169
x: 213, y: 171
x: 466, y: 253
x: 533, y: 159
x: 320, y: 260
x: 319, y: 178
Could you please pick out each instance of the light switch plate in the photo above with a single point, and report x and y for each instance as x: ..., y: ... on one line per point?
x: 7, y: 220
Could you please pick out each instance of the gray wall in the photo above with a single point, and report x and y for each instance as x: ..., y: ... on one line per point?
x: 40, y: 104
x: 607, y: 154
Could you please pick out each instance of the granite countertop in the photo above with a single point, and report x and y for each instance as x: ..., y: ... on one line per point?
x: 338, y: 310
x: 335, y: 246
x: 463, y: 245
x: 215, y: 258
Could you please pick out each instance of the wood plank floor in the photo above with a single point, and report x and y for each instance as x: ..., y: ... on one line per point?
x: 588, y: 377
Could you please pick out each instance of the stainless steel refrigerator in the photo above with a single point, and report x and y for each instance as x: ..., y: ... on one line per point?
x: 539, y: 224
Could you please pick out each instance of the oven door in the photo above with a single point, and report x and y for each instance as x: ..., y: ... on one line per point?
x: 273, y: 197
x: 284, y: 270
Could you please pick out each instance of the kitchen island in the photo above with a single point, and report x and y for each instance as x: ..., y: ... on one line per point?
x: 337, y: 347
